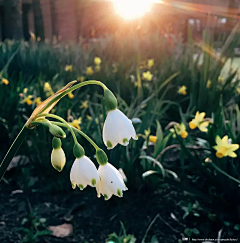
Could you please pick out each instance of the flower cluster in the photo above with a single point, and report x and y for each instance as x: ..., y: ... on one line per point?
x: 117, y: 129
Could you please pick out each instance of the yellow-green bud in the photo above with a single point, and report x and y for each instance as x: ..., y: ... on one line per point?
x: 56, y: 143
x: 110, y: 100
x: 56, y: 131
x: 101, y: 157
x: 78, y: 151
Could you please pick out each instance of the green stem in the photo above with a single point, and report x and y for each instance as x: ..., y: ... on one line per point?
x: 80, y: 132
x: 13, y: 150
x: 224, y: 173
x: 35, y: 123
x: 62, y: 120
x: 72, y: 89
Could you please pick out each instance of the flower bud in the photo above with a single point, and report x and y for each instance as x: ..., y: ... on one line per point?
x: 110, y: 100
x: 78, y: 151
x: 101, y: 157
x: 56, y: 131
x: 58, y: 158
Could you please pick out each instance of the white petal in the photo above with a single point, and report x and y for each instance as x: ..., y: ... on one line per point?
x: 110, y: 129
x: 111, y: 178
x: 128, y: 124
x: 83, y: 172
x: 104, y: 190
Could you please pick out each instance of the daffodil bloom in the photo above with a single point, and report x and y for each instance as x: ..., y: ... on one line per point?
x: 68, y: 68
x: 48, y: 89
x: 83, y: 173
x: 117, y: 129
x: 76, y: 123
x: 111, y: 182
x: 25, y: 90
x: 80, y: 79
x: 209, y: 84
x: 199, y: 122
x: 84, y: 104
x: 147, y: 76
x: 181, y: 130
x: 152, y: 139
x: 225, y: 148
x: 70, y: 95
x: 97, y: 68
x: 38, y: 101
x: 150, y: 63
x: 58, y: 159
x: 97, y: 60
x: 182, y: 90
x: 147, y: 132
x: 89, y: 71
x: 5, y: 81
x: 27, y: 100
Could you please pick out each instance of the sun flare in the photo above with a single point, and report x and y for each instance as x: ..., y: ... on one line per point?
x: 132, y: 9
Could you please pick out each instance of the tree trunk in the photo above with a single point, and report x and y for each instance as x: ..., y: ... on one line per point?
x: 13, y: 19
x: 38, y: 19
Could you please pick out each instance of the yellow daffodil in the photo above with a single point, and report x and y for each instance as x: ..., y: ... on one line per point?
x: 182, y: 90
x: 70, y: 95
x: 25, y: 90
x: 5, y: 81
x: 97, y: 68
x: 181, y: 130
x: 225, y: 148
x: 147, y: 76
x: 75, y: 123
x: 152, y: 139
x: 84, y: 104
x: 89, y: 71
x: 38, y: 101
x: 199, y: 122
x: 80, y: 79
x: 147, y: 132
x: 209, y: 84
x: 27, y: 100
x: 97, y: 60
x: 68, y: 68
x: 48, y: 89
x: 150, y: 63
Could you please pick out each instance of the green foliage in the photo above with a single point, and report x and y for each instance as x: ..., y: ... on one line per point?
x: 33, y: 228
x: 152, y: 105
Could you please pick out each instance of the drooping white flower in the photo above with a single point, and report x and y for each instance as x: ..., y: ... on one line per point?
x: 83, y: 173
x: 58, y: 159
x: 111, y: 182
x: 117, y: 129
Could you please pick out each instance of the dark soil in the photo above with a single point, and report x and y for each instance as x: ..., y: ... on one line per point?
x: 93, y: 219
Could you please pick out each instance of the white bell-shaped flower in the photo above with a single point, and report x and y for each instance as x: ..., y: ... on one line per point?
x: 83, y: 173
x: 58, y: 159
x: 117, y: 129
x: 111, y: 182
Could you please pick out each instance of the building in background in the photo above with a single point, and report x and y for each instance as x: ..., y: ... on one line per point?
x: 70, y: 19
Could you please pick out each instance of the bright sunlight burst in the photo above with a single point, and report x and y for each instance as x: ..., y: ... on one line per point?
x: 132, y: 9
